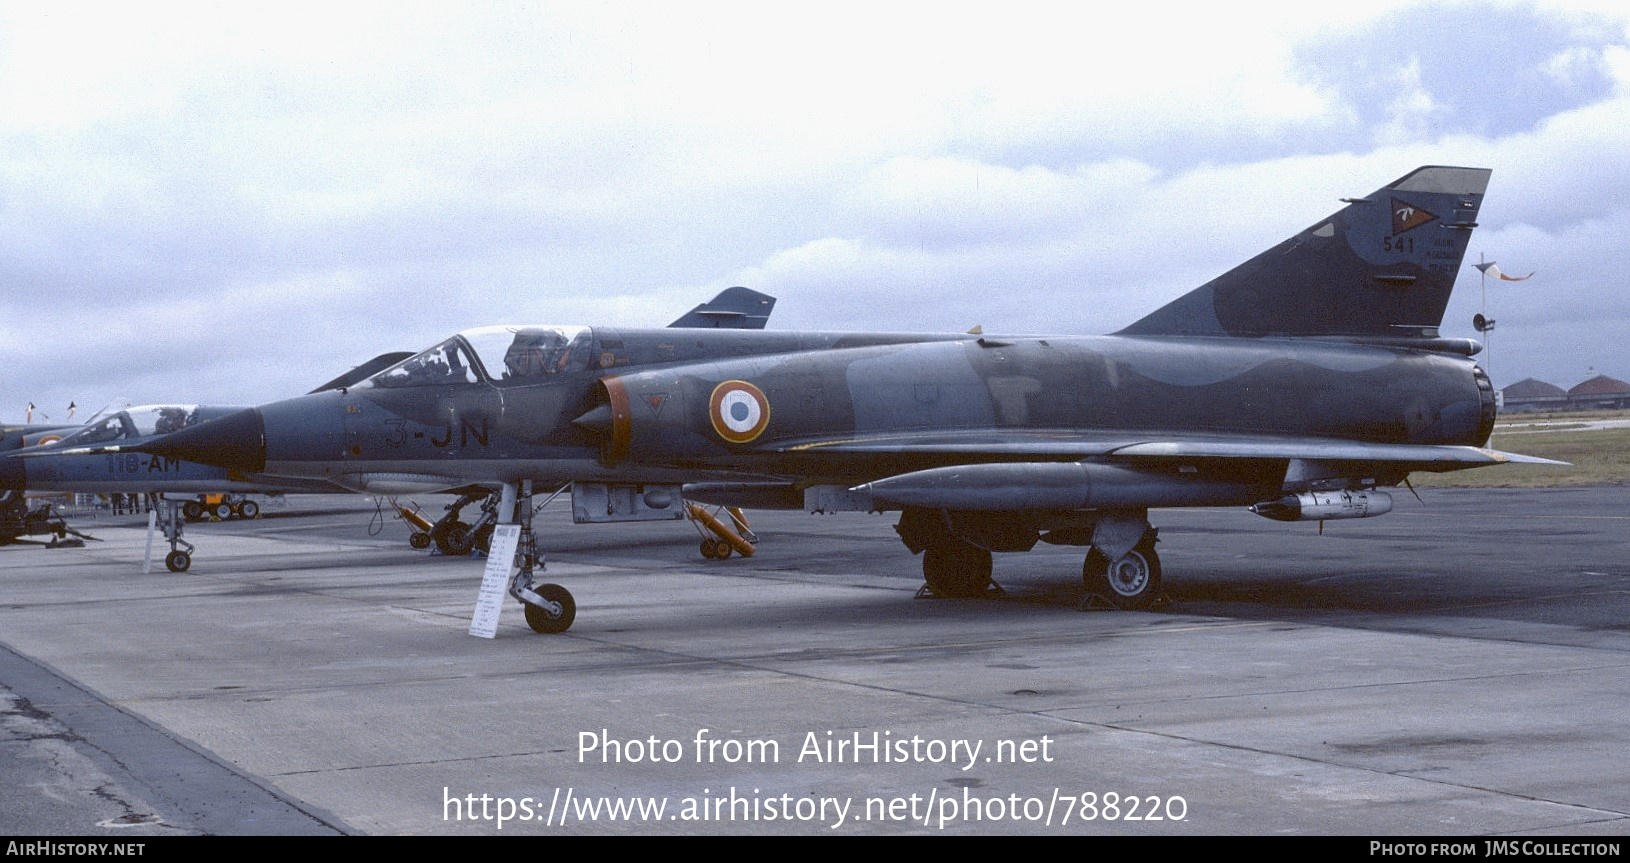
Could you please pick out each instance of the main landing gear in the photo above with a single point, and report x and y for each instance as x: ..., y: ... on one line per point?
x: 956, y: 569
x: 1121, y: 570
x: 1130, y: 582
x: 549, y: 607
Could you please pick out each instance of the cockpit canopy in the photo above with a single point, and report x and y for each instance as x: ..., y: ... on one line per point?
x: 503, y: 355
x: 142, y: 421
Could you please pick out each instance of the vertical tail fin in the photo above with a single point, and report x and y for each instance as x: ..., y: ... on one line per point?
x: 735, y: 308
x: 1382, y: 266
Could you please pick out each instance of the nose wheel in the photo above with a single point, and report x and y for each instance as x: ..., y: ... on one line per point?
x: 554, y: 612
x: 171, y: 517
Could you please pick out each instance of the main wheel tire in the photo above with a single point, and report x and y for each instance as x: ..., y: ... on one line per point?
x: 193, y: 510
x: 419, y: 540
x: 177, y: 561
x: 457, y: 541
x: 483, y: 538
x: 541, y: 620
x: 1131, y: 583
x: 249, y: 509
x: 442, y: 534
x: 956, y: 569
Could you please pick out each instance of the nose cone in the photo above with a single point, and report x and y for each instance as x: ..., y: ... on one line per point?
x: 236, y: 441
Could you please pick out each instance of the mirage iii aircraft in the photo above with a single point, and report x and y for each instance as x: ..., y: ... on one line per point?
x: 1297, y: 384
x: 52, y: 458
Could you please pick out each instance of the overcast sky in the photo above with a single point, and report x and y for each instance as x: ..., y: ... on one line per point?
x: 208, y: 203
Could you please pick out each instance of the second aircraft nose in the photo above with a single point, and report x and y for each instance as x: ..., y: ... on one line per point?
x: 236, y: 441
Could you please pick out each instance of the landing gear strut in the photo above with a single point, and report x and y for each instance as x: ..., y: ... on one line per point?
x: 172, y: 520
x: 549, y: 607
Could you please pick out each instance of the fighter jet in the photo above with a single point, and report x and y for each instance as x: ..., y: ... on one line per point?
x: 46, y: 462
x: 49, y: 458
x: 1298, y: 385
x: 50, y: 466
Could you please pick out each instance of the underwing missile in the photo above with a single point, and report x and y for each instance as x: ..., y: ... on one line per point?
x: 1324, y: 505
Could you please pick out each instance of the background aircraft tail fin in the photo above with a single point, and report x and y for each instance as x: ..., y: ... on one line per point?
x: 1382, y: 266
x: 735, y: 308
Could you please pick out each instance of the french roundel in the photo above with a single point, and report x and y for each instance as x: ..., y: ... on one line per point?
x: 739, y: 411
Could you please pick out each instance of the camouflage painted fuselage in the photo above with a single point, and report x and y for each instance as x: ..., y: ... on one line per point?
x: 835, y: 416
x: 848, y: 408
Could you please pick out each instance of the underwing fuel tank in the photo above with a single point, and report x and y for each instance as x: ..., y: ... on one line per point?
x: 1323, y: 505
x: 1057, y: 486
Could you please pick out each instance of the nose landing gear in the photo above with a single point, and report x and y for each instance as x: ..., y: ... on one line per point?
x: 549, y: 608
x: 172, y: 521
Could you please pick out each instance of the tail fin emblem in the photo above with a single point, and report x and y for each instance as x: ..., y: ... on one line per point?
x: 1407, y: 216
